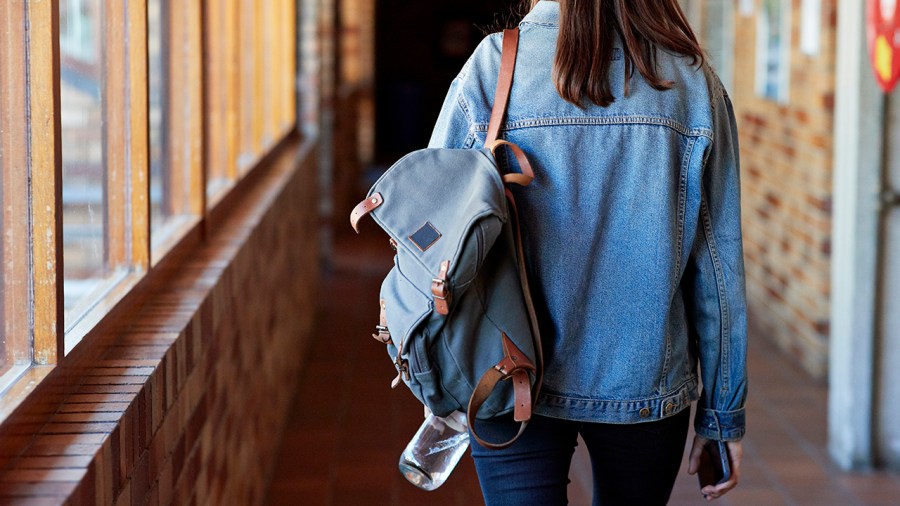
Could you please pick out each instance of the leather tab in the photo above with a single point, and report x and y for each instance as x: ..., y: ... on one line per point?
x: 440, y: 289
x: 382, y: 334
x: 363, y: 208
x: 402, y: 372
x: 514, y: 356
x: 504, y: 83
x: 521, y: 396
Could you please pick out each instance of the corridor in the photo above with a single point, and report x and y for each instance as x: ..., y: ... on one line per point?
x: 347, y: 428
x: 186, y: 313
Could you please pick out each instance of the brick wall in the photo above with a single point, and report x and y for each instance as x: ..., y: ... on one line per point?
x: 786, y: 156
x: 183, y: 400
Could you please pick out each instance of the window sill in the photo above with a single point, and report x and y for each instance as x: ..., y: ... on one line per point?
x: 123, y: 284
x: 177, y: 228
x: 19, y: 388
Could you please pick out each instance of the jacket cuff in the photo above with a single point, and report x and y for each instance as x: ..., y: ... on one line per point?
x: 720, y: 425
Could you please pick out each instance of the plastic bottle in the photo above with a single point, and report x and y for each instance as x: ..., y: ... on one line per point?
x: 434, y: 451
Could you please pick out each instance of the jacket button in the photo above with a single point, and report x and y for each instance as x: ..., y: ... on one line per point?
x: 669, y: 408
x: 645, y: 412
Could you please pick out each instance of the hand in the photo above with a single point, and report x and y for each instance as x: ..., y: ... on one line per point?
x: 427, y: 411
x: 735, y: 452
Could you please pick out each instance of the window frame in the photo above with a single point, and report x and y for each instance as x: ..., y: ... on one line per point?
x: 45, y: 165
x: 17, y: 277
x: 763, y: 53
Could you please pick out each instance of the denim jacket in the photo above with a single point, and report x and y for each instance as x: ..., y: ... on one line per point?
x: 632, y: 233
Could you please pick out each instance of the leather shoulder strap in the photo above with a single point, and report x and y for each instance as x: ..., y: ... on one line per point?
x: 504, y: 83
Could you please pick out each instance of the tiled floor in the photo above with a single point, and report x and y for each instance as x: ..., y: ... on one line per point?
x: 348, y: 427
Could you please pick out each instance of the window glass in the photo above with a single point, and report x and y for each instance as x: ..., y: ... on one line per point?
x: 83, y: 143
x: 175, y: 116
x: 250, y: 98
x: 159, y: 178
x: 773, y: 49
x: 718, y: 38
x: 267, y: 29
x: 4, y: 352
x: 221, y: 95
x: 691, y: 9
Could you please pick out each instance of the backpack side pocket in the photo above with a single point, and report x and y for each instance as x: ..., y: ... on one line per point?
x: 408, y: 312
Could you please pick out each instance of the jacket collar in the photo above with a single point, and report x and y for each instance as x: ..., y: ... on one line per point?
x: 544, y: 13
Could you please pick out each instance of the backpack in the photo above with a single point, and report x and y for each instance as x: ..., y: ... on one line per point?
x: 455, y: 310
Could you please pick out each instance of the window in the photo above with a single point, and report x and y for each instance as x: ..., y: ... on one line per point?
x: 691, y: 9
x: 130, y: 113
x: 16, y: 352
x: 713, y: 23
x: 175, y: 120
x: 811, y: 27
x: 90, y: 225
x: 77, y: 28
x: 222, y: 95
x: 251, y: 70
x: 718, y: 37
x: 157, y: 78
x: 773, y: 50
x: 250, y: 86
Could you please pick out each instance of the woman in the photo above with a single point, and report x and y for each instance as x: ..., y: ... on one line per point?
x: 633, y: 245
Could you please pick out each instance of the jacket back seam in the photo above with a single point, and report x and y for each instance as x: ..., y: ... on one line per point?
x: 520, y: 124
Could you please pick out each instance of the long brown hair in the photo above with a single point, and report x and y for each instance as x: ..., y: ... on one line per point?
x: 587, y: 30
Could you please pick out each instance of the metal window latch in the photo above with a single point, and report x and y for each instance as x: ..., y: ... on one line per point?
x: 889, y: 198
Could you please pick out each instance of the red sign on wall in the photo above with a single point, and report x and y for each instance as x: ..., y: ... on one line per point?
x: 883, y: 31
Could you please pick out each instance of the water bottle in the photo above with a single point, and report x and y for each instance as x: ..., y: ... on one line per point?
x: 434, y: 451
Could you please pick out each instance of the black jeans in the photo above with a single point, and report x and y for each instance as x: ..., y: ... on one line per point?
x: 633, y: 464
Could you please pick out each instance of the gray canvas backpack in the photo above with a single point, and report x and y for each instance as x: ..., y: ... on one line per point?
x: 456, y: 311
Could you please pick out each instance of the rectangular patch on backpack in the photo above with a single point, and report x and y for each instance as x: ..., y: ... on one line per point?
x: 425, y: 237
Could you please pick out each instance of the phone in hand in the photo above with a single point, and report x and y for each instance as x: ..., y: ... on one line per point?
x: 715, y: 467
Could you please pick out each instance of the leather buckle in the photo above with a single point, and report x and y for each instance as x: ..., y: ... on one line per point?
x: 439, y: 288
x: 402, y: 371
x: 382, y: 334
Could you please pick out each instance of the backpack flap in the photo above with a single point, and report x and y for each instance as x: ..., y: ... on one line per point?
x: 436, y: 222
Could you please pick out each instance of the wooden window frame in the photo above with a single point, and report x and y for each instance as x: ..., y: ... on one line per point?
x: 46, y: 175
x: 128, y: 142
x: 15, y: 300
